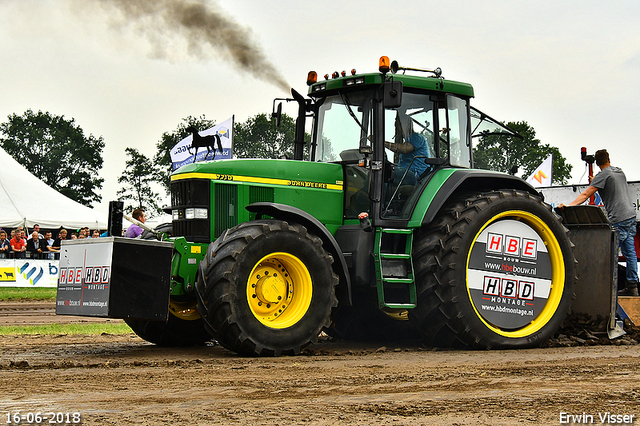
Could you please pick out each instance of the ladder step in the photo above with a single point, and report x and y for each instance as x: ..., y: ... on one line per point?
x: 397, y: 280
x: 396, y: 231
x: 400, y: 305
x: 395, y: 256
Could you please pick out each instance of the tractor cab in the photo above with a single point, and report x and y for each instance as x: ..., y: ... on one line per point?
x: 391, y: 132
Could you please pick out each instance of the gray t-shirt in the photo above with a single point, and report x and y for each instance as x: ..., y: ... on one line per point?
x: 612, y: 187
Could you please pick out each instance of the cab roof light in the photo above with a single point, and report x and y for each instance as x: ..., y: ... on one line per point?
x: 353, y: 71
x: 326, y: 76
x: 320, y: 87
x: 343, y: 73
x: 335, y: 74
x: 312, y: 78
x: 384, y: 64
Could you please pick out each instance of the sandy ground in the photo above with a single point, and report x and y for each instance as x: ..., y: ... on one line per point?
x: 122, y: 380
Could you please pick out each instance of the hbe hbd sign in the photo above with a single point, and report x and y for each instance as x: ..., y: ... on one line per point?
x: 114, y: 278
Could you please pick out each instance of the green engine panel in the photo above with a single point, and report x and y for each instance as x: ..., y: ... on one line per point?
x: 316, y: 188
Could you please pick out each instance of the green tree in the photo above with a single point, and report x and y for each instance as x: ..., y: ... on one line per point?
x: 162, y: 158
x: 56, y: 151
x: 501, y: 153
x: 258, y: 137
x: 138, y: 175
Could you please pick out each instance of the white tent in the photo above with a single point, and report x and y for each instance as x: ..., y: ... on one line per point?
x: 26, y: 200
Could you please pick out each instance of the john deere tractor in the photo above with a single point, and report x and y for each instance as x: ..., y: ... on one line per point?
x: 360, y: 235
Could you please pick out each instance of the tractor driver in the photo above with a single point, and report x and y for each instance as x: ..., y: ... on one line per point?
x: 411, y: 146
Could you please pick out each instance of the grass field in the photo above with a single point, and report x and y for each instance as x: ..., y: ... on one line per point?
x: 49, y: 294
x: 65, y: 329
x: 27, y: 293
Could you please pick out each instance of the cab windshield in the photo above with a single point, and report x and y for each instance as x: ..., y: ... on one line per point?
x: 343, y: 123
x: 425, y: 132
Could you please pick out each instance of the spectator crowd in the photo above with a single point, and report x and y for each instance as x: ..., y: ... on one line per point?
x: 35, y: 245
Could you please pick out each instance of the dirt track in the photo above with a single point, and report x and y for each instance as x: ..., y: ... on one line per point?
x: 121, y: 380
x: 39, y: 312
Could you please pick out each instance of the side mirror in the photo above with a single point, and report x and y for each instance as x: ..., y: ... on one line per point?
x: 277, y: 114
x: 365, y: 150
x: 392, y: 94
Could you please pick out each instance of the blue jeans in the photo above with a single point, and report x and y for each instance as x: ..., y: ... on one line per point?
x: 626, y: 231
x: 410, y: 177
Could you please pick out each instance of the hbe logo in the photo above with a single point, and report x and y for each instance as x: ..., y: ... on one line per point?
x: 510, y: 245
x: 508, y: 288
x: 88, y: 275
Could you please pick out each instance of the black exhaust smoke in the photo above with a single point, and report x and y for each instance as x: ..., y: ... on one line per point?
x: 203, y: 25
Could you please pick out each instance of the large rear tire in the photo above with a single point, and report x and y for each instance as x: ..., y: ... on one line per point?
x: 267, y: 287
x: 494, y: 270
x: 184, y: 326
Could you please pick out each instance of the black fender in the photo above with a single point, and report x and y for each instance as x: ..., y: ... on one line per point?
x: 293, y: 214
x: 473, y: 180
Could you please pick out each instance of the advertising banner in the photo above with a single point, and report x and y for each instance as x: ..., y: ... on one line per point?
x: 28, y: 273
x: 85, y: 278
x: 182, y: 153
x: 509, y: 277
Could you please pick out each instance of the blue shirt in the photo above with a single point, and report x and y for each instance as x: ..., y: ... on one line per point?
x: 420, y: 148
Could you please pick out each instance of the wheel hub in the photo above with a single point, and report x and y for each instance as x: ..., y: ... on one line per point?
x: 184, y: 310
x: 279, y: 290
x: 270, y: 288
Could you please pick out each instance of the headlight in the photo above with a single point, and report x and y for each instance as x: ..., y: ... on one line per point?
x: 175, y: 214
x: 201, y: 213
x: 189, y: 213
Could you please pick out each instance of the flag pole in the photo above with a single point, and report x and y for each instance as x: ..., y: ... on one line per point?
x: 233, y: 124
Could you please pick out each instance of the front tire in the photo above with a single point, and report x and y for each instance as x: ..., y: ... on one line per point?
x: 267, y: 288
x: 494, y: 270
x: 184, y: 327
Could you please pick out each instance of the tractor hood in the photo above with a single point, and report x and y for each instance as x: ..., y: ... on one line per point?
x: 231, y: 185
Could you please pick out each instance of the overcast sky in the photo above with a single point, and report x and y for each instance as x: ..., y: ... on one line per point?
x: 571, y: 69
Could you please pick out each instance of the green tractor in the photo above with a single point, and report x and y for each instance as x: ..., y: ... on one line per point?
x: 379, y: 228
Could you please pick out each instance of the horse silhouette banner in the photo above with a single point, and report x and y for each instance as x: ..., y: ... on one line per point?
x: 213, y: 143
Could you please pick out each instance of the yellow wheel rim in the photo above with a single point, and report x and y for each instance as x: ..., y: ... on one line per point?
x: 556, y: 259
x: 184, y: 310
x: 279, y: 290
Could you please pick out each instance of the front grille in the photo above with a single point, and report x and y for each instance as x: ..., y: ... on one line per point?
x: 191, y: 193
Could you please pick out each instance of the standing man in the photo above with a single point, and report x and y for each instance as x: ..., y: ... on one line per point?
x: 36, y: 246
x: 5, y: 246
x: 611, y: 184
x: 62, y: 235
x: 19, y: 245
x: 36, y: 228
x: 134, y: 230
x: 48, y: 242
